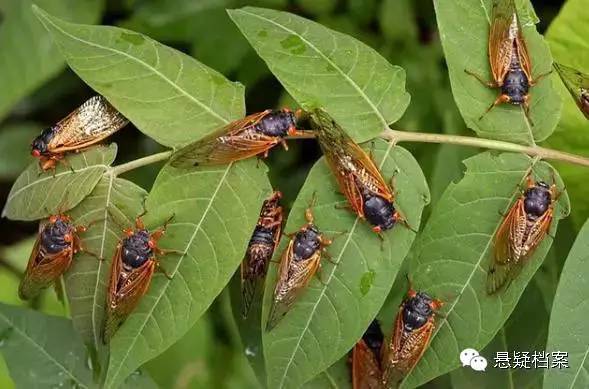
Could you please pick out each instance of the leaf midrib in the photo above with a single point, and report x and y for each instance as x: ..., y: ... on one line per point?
x: 30, y: 340
x: 324, y: 287
x: 330, y: 62
x: 139, y: 61
x: 173, y: 273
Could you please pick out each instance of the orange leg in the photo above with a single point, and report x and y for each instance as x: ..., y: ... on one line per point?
x: 500, y: 100
x: 162, y: 270
x: 536, y: 80
x: 490, y: 84
x: 526, y: 107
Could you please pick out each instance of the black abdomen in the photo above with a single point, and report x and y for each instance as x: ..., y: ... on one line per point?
x: 262, y: 235
x: 515, y: 85
x: 276, y: 123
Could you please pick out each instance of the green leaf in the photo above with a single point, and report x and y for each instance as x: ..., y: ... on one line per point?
x: 14, y: 148
x: 36, y: 195
x: 464, y: 30
x: 111, y: 206
x: 28, y: 57
x: 453, y: 253
x: 320, y: 67
x: 168, y: 95
x: 568, y: 37
x: 337, y: 376
x: 215, y: 209
x: 568, y: 320
x: 332, y: 314
x: 42, y: 350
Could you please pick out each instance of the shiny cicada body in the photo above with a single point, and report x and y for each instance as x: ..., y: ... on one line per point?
x: 89, y: 124
x: 577, y: 84
x: 299, y: 262
x: 521, y: 231
x: 365, y: 361
x: 253, y: 135
x: 357, y: 176
x: 132, y: 269
x: 56, y: 244
x: 260, y: 249
x: 509, y: 59
x: 413, y: 328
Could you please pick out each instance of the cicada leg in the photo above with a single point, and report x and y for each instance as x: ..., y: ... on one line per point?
x: 490, y: 84
x: 526, y: 108
x: 500, y: 100
x: 536, y: 80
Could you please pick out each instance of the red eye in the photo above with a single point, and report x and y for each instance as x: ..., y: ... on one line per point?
x: 151, y: 244
x: 35, y: 153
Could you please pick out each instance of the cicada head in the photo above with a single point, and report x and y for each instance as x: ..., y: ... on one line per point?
x: 418, y: 309
x: 137, y: 248
x: 277, y: 123
x: 40, y: 145
x: 306, y: 243
x: 379, y: 212
x: 537, y: 200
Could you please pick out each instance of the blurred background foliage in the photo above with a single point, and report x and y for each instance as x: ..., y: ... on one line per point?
x: 37, y: 89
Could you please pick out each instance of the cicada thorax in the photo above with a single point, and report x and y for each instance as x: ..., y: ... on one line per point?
x: 52, y: 255
x: 522, y: 230
x: 262, y: 244
x: 90, y: 123
x: 253, y: 135
x: 414, y: 325
x: 365, y: 359
x: 299, y: 262
x: 131, y: 272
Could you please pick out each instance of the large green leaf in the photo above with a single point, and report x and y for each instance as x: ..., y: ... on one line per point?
x: 464, y: 30
x: 36, y: 195
x: 214, y: 210
x: 332, y: 314
x: 111, y: 206
x: 320, y: 67
x: 168, y: 95
x: 15, y: 148
x: 337, y: 376
x: 42, y: 351
x: 28, y: 58
x: 568, y: 321
x: 452, y: 255
x: 568, y: 36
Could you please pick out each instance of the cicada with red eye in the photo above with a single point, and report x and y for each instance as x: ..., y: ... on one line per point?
x: 366, y: 359
x: 509, y: 59
x: 260, y: 249
x: 134, y: 262
x: 299, y: 262
x: 577, y: 84
x: 56, y: 244
x: 521, y: 231
x: 413, y: 328
x: 357, y: 176
x: 253, y: 135
x: 89, y: 124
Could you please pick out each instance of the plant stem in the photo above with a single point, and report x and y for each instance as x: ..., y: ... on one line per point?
x: 544, y: 153
x: 407, y: 136
x: 125, y: 167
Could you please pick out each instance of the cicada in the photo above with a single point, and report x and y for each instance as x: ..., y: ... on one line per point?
x: 255, y: 134
x: 414, y: 326
x: 366, y: 359
x: 509, y: 59
x: 52, y: 254
x: 357, y: 176
x: 260, y: 249
x: 522, y: 229
x: 132, y: 268
x: 90, y: 123
x: 578, y: 85
x: 299, y: 262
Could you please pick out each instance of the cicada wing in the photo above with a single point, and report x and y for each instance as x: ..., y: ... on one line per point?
x: 251, y: 281
x: 293, y: 277
x: 351, y: 165
x: 501, y: 37
x: 43, y: 269
x: 577, y: 84
x: 507, y: 247
x: 233, y: 142
x: 366, y: 372
x: 124, y: 295
x: 92, y: 122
